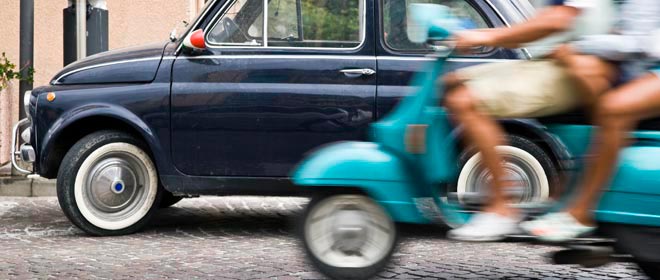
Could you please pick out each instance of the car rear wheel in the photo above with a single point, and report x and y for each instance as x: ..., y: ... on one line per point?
x: 528, y: 167
x: 348, y: 236
x: 108, y: 185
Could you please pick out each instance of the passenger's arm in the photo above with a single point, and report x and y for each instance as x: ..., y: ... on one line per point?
x: 547, y: 22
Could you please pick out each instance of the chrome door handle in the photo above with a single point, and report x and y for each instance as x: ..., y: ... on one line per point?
x: 358, y: 72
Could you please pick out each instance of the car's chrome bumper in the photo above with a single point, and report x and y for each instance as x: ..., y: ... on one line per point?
x: 25, y: 152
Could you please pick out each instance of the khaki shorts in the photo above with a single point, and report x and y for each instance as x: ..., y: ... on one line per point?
x: 521, y: 89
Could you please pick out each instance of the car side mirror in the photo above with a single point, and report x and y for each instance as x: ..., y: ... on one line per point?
x: 194, y: 42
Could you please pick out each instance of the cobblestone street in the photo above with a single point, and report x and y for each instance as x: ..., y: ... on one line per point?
x: 242, y: 238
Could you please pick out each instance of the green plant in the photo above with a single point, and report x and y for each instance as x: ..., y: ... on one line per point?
x: 8, y: 72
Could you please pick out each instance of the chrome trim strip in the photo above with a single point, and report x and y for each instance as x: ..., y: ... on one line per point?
x: 265, y: 30
x: 482, y: 60
x: 497, y: 11
x: 351, y: 57
x: 339, y: 57
x: 103, y: 65
x: 14, y: 153
x: 405, y: 58
x: 507, y: 23
x: 525, y: 7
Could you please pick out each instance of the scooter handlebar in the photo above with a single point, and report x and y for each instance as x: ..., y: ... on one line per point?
x: 431, y: 23
x: 442, y: 47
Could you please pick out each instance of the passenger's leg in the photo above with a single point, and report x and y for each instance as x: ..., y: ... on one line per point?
x: 617, y: 113
x: 463, y: 107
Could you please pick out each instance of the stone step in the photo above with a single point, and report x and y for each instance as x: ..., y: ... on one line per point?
x: 26, y: 187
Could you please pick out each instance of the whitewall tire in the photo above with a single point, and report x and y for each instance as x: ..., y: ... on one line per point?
x: 108, y: 184
x: 528, y: 167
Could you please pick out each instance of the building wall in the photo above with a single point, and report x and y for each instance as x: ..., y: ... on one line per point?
x: 9, y: 30
x: 131, y: 23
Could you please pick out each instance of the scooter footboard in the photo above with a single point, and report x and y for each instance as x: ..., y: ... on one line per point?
x: 369, y: 168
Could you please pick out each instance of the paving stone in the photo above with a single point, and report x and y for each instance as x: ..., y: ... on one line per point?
x: 244, y: 238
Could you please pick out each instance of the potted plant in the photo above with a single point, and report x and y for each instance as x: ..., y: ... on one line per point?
x: 8, y: 74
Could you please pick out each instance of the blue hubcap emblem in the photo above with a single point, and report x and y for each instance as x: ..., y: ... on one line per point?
x: 117, y: 187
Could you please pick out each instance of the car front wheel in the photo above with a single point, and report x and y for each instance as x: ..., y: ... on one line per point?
x: 108, y: 185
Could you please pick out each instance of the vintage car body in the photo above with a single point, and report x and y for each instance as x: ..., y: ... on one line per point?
x: 235, y: 119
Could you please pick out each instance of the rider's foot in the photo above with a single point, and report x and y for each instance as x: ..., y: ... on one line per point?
x: 583, y: 216
x: 502, y: 209
x: 556, y: 227
x: 486, y: 226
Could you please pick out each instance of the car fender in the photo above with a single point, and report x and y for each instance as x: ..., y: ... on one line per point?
x: 535, y: 129
x: 89, y: 110
x: 558, y: 148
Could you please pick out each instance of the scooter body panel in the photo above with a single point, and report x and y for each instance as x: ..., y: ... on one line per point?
x: 576, y: 138
x: 372, y: 168
x: 633, y: 196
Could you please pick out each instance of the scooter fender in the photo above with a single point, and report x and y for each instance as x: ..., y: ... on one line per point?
x: 386, y: 177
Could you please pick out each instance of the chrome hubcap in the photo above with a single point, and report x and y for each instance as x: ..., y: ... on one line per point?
x: 114, y: 186
x: 523, y: 183
x: 349, y: 231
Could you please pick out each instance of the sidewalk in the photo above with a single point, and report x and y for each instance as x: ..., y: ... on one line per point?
x: 23, y: 186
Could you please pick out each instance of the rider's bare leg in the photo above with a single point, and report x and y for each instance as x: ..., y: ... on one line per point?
x: 475, y: 124
x: 617, y: 113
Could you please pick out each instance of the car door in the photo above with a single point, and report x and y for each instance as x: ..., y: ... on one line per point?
x: 268, y: 89
x: 399, y: 58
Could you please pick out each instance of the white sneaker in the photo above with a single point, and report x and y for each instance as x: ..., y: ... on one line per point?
x: 483, y: 227
x: 556, y: 227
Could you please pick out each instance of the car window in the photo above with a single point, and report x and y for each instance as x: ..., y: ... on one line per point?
x: 395, y: 21
x: 315, y: 23
x: 292, y: 23
x: 242, y: 24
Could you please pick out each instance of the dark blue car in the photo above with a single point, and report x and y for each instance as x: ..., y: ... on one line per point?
x: 129, y: 131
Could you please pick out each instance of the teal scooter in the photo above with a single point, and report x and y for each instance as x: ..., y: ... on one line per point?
x: 402, y: 175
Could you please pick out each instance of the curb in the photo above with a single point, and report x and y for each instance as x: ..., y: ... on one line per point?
x: 27, y: 187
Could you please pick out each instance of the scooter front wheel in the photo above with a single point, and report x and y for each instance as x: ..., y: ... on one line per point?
x: 348, y: 236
